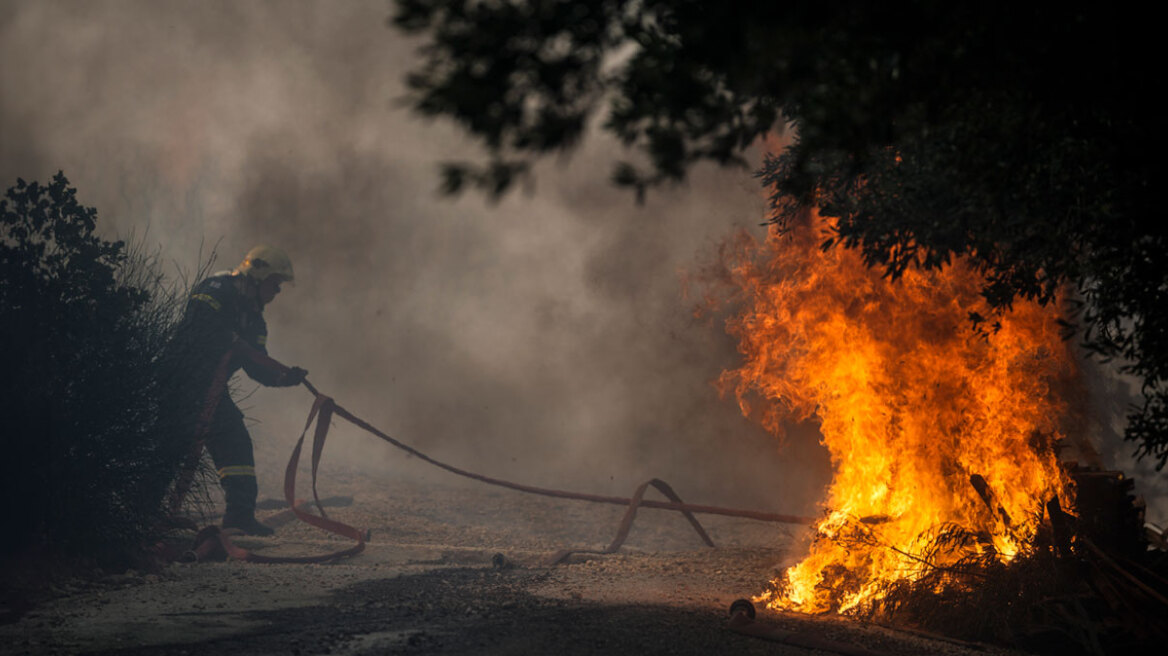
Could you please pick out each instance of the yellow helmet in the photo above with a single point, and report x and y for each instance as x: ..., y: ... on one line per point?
x: 263, y: 262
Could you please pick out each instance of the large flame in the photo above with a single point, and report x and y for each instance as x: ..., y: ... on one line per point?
x: 913, y: 405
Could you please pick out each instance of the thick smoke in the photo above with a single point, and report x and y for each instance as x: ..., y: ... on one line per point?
x: 544, y: 338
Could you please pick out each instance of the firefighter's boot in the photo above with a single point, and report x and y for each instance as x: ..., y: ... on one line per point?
x: 241, y: 492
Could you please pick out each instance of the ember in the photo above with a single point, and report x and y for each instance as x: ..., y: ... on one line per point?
x: 931, y: 426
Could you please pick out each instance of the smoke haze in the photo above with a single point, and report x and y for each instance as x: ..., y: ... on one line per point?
x: 544, y: 338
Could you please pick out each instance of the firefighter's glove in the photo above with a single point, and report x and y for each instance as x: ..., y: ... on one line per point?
x: 294, y: 376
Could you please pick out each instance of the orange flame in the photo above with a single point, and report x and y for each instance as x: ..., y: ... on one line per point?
x: 911, y: 402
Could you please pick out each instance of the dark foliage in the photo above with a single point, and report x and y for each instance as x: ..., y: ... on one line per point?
x: 93, y: 430
x: 1020, y: 135
x: 1081, y: 603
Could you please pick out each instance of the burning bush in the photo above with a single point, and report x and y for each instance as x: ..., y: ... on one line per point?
x: 946, y: 507
x: 93, y: 430
x: 912, y: 405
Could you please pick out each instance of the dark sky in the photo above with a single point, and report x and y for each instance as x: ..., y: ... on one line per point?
x: 545, y: 338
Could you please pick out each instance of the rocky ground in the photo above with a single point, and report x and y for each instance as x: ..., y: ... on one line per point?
x: 455, y: 569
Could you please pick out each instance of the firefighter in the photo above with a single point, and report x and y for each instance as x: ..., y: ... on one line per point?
x: 223, y: 311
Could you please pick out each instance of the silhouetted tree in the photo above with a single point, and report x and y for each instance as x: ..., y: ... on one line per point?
x: 1020, y: 135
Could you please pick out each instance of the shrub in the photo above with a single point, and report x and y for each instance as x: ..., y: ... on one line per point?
x: 93, y: 427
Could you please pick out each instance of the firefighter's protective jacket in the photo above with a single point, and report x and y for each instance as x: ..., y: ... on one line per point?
x: 218, y: 314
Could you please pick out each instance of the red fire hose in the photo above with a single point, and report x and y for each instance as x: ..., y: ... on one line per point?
x: 212, y: 540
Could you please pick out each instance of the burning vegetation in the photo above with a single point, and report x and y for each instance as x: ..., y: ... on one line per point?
x: 945, y: 435
x: 911, y: 403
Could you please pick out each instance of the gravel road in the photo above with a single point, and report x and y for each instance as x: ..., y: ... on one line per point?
x: 454, y: 569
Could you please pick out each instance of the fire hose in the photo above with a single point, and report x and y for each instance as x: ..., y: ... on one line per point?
x: 211, y: 540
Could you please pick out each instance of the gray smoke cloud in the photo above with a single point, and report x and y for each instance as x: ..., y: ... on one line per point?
x: 544, y: 338
x: 1111, y: 396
